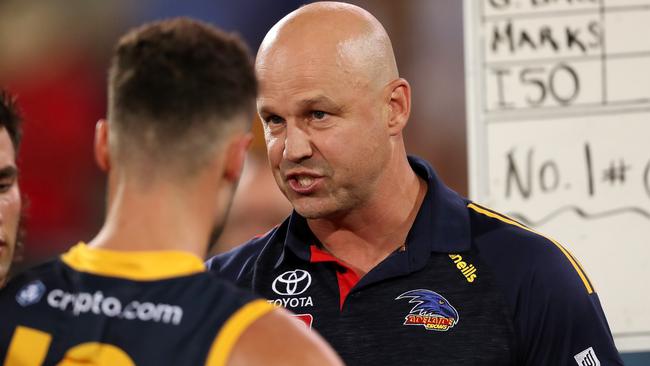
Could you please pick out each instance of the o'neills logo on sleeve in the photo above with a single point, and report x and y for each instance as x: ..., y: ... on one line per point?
x: 467, y: 269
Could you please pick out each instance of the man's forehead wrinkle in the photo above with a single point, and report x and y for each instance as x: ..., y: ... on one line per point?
x: 296, y: 99
x: 315, y: 62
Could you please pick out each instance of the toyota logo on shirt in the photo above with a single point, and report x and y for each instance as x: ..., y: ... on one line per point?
x: 292, y: 282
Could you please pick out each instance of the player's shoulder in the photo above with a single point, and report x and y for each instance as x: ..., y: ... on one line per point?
x: 237, y: 262
x: 24, y: 300
x: 276, y: 338
x: 513, y: 250
x: 218, y: 300
x: 39, y: 276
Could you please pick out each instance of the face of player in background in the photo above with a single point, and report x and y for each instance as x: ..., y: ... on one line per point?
x: 323, y: 124
x: 9, y: 203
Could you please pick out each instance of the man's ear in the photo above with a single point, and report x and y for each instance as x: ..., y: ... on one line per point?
x: 399, y: 103
x: 102, y: 157
x: 235, y: 156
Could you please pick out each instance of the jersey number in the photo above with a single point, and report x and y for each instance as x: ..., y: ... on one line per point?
x: 29, y: 347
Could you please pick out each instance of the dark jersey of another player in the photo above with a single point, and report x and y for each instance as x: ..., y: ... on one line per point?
x: 469, y: 287
x: 98, y: 308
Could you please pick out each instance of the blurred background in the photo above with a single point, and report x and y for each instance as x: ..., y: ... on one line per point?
x: 54, y: 55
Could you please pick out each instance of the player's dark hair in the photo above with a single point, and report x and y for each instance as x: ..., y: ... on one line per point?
x: 10, y: 118
x: 175, y: 87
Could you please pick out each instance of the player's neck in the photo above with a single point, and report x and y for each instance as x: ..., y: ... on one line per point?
x: 364, y: 237
x: 160, y: 218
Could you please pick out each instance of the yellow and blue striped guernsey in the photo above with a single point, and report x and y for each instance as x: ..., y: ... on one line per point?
x: 469, y: 287
x: 137, y: 266
x: 232, y: 330
x: 101, y: 307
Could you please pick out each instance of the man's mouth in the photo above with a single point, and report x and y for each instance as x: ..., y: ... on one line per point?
x: 303, y: 183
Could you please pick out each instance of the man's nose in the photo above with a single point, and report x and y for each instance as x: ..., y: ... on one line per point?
x: 297, y: 144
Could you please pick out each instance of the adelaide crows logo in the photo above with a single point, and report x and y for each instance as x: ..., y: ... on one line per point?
x: 431, y: 310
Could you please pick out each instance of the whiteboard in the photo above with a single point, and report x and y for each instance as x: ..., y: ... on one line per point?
x: 558, y: 108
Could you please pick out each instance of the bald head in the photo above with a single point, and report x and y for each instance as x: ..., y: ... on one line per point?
x: 343, y: 35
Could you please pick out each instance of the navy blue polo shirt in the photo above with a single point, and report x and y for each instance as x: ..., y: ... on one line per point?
x: 470, y: 287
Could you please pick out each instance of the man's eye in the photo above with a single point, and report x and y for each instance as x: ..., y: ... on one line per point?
x: 274, y: 120
x: 318, y: 114
x: 5, y: 186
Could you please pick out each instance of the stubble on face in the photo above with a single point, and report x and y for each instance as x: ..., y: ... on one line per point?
x: 329, y: 200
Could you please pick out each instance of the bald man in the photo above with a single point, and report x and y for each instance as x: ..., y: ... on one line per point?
x: 390, y: 265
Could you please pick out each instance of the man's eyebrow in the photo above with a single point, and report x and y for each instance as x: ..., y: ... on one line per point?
x: 8, y: 172
x: 264, y: 110
x: 321, y: 99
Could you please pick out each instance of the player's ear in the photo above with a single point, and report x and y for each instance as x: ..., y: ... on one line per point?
x: 101, y: 145
x: 235, y: 156
x: 399, y: 105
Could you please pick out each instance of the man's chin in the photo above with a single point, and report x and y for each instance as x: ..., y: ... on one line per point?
x: 314, y: 210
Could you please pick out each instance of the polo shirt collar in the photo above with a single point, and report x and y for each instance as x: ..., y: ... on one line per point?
x: 299, y: 237
x: 441, y: 225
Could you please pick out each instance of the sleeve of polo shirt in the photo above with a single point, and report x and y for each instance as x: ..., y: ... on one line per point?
x: 557, y: 314
x: 561, y: 321
x: 235, y: 264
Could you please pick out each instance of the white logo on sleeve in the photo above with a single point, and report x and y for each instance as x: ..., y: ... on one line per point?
x: 31, y: 293
x: 587, y: 358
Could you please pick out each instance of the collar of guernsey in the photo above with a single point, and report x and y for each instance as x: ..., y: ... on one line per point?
x: 441, y: 225
x: 136, y: 265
